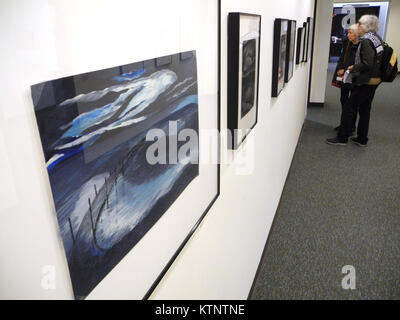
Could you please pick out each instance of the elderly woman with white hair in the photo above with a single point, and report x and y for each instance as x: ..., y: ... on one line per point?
x: 346, y: 59
x: 365, y: 79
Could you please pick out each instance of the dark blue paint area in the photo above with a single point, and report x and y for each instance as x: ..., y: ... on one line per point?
x: 130, y: 75
x: 95, y: 147
x: 64, y: 156
x: 83, y: 121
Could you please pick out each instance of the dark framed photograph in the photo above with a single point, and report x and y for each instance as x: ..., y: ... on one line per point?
x: 305, y: 41
x: 243, y: 74
x: 300, y: 45
x: 310, y: 25
x: 279, y: 55
x: 290, y: 50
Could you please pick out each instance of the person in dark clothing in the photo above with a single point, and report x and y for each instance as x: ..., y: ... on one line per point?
x: 346, y: 60
x: 365, y: 75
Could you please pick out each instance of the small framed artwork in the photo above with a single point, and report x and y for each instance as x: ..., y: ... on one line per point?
x: 290, y: 50
x: 279, y: 56
x: 243, y: 74
x: 300, y: 45
x: 309, y: 36
x: 305, y: 41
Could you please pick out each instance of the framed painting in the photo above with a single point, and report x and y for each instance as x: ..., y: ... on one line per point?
x: 300, y: 45
x: 279, y: 55
x: 243, y: 74
x: 119, y: 161
x: 290, y: 50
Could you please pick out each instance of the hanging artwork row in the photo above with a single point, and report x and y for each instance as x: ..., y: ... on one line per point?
x: 306, y: 40
x: 284, y: 48
x: 120, y: 173
x: 291, y: 44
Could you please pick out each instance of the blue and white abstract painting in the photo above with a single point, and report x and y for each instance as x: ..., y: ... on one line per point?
x: 93, y: 130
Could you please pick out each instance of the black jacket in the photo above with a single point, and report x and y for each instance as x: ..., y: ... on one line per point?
x: 347, y: 56
x: 346, y: 59
x: 368, y: 70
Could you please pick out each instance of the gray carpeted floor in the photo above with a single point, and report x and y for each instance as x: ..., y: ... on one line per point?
x: 340, y: 206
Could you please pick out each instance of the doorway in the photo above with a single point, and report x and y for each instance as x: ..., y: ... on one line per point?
x: 347, y: 13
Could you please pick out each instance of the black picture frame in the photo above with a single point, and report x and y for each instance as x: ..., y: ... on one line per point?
x: 279, y: 56
x: 305, y: 41
x: 290, y: 50
x: 309, y: 35
x: 300, y: 45
x: 244, y: 35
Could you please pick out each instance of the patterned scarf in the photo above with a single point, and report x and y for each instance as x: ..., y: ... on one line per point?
x: 375, y: 41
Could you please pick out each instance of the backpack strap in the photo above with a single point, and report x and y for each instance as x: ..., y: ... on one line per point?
x: 378, y: 43
x: 393, y: 59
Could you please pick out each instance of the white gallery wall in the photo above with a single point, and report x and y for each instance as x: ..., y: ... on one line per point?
x: 221, y: 258
x: 323, y: 28
x: 393, y: 26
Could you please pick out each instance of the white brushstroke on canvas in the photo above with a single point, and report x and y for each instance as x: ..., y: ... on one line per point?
x: 86, y: 137
x: 179, y: 85
x: 98, y: 94
x: 54, y: 158
x: 81, y: 206
x: 184, y: 90
x: 150, y: 89
x: 123, y: 215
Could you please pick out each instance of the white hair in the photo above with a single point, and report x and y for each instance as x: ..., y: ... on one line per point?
x: 369, y: 23
x: 354, y: 27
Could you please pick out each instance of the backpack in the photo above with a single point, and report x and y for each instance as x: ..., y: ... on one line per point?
x: 388, y: 64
